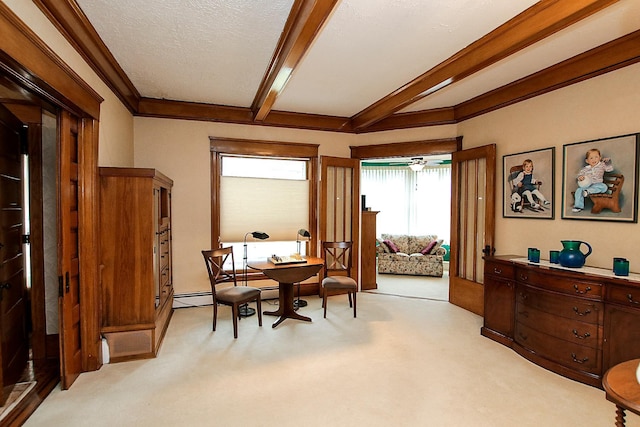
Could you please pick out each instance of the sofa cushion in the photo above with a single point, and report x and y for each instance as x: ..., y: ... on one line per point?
x: 436, y: 246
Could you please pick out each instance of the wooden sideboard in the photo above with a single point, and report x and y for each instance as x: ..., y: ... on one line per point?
x: 136, y: 260
x: 368, y: 251
x: 575, y: 323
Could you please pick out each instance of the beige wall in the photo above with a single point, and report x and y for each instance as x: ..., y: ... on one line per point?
x: 116, y: 122
x: 605, y: 106
x: 180, y: 150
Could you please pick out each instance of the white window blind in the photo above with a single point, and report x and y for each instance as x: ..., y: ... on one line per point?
x: 278, y: 207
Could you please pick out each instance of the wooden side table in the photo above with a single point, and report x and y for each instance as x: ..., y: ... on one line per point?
x: 622, y: 388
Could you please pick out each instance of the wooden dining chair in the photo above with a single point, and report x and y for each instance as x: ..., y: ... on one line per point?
x: 337, y: 267
x: 233, y: 296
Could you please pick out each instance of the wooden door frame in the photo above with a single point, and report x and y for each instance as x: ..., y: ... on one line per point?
x: 347, y: 163
x: 469, y: 294
x: 28, y: 61
x: 429, y: 147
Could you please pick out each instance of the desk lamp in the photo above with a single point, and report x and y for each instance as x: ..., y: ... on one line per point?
x: 245, y: 310
x: 301, y: 233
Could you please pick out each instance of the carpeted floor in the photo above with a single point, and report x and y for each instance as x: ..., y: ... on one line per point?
x: 435, y: 288
x: 401, y: 362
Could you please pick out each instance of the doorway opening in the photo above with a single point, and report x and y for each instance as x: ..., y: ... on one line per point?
x: 412, y: 197
x: 28, y: 250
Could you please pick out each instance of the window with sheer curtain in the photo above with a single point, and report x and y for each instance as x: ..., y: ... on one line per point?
x: 409, y: 202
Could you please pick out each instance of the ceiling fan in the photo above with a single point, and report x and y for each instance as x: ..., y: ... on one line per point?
x: 418, y: 163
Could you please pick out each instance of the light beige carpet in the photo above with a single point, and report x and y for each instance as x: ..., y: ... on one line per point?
x: 402, y: 362
x: 435, y: 288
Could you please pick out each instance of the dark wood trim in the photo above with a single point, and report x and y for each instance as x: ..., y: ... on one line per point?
x: 252, y: 147
x: 308, y: 121
x: 433, y: 117
x: 67, y: 16
x: 149, y: 107
x: 221, y: 146
x: 404, y: 149
x: 31, y: 63
x: 534, y: 24
x: 611, y: 56
x: 89, y: 221
x: 303, y: 25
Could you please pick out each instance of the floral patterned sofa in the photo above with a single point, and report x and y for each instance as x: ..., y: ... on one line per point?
x: 415, y: 255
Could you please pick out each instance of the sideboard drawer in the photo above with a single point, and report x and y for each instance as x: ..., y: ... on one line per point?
x: 575, y: 331
x: 499, y: 269
x: 574, y: 356
x: 624, y: 295
x: 566, y: 285
x: 572, y: 308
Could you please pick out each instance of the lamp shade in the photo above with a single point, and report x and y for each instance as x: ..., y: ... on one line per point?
x: 304, y: 233
x: 257, y: 235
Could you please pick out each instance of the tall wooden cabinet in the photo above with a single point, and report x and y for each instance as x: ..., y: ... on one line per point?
x: 368, y: 250
x: 573, y: 322
x: 136, y: 268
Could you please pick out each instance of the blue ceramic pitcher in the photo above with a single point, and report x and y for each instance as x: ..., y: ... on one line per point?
x: 570, y: 255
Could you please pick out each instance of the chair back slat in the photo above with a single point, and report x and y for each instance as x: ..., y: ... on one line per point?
x: 215, y: 260
x: 337, y: 257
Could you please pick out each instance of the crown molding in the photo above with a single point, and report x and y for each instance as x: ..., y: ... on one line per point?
x: 73, y: 24
x: 29, y: 61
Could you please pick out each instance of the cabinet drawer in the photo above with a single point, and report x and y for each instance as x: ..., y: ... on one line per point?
x: 165, y: 277
x: 575, y: 331
x: 498, y: 269
x: 566, y: 285
x: 624, y: 295
x: 572, y: 308
x: 573, y: 356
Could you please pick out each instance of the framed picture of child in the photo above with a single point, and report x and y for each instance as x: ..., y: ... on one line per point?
x: 600, y: 179
x: 529, y: 184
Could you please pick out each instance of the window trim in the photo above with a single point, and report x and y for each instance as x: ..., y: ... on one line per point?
x: 262, y: 148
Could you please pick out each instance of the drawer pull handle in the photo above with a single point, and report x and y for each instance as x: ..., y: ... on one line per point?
x: 630, y: 298
x: 523, y: 336
x: 581, y: 337
x: 578, y: 291
x: 497, y: 270
x: 584, y: 313
x: 575, y: 359
x: 523, y: 295
x: 524, y: 277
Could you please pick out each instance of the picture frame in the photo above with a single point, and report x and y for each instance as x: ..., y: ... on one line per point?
x: 619, y: 201
x: 529, y: 195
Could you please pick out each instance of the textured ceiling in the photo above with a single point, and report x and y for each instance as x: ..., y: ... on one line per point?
x: 218, y: 51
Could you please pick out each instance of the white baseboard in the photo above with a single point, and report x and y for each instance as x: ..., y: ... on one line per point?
x: 202, y: 299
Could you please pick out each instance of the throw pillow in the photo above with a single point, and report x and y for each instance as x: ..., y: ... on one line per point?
x: 392, y: 246
x: 427, y: 249
x: 384, y: 248
x: 435, y: 248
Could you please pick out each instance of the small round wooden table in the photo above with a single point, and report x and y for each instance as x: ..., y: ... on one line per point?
x: 622, y: 388
x: 286, y: 275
